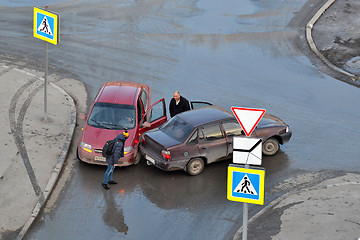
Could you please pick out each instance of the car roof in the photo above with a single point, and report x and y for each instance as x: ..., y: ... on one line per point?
x: 123, y: 92
x: 205, y: 115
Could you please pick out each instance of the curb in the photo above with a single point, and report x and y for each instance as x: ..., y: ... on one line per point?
x: 313, y: 47
x: 272, y: 204
x: 57, y: 169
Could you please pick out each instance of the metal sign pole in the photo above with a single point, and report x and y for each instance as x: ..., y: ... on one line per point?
x: 245, y: 216
x: 45, y: 81
x: 248, y: 119
x: 46, y: 27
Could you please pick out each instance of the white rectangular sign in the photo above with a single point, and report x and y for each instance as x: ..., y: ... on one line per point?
x: 247, y: 151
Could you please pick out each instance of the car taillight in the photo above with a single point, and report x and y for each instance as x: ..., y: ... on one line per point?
x: 166, y: 154
x: 143, y: 140
x: 138, y: 139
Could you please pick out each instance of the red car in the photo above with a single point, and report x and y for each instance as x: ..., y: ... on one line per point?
x: 119, y: 106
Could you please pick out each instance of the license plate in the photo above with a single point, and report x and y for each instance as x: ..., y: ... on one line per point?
x: 100, y: 159
x: 150, y: 159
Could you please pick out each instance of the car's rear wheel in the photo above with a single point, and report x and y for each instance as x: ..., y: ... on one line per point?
x: 270, y: 147
x: 195, y: 166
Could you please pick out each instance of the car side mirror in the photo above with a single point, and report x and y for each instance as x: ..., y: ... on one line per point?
x: 146, y: 125
x: 82, y: 116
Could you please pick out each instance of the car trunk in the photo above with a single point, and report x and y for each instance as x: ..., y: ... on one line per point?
x: 163, y: 142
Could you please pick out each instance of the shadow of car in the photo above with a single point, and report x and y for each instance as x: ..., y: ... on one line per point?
x: 202, y: 136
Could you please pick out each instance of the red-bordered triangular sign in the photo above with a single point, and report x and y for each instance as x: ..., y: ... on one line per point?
x: 248, y: 118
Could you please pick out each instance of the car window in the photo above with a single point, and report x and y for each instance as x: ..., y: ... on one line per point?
x: 197, y: 104
x: 210, y: 133
x: 112, y: 116
x: 156, y: 112
x: 193, y: 139
x: 144, y: 98
x: 232, y: 129
x: 140, y: 109
x: 177, y: 128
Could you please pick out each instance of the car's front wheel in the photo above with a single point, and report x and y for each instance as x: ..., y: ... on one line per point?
x: 195, y: 166
x: 77, y: 154
x: 137, y: 158
x: 270, y: 146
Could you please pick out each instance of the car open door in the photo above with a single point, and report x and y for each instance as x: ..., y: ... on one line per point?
x: 155, y: 116
x: 199, y: 104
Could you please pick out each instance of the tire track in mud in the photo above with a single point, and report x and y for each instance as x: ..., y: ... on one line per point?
x: 16, y: 126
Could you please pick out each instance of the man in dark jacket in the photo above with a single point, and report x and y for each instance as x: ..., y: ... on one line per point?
x: 118, y: 152
x: 178, y: 104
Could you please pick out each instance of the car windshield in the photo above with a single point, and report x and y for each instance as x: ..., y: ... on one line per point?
x: 112, y: 116
x: 177, y: 128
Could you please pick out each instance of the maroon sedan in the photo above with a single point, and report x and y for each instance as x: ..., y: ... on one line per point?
x: 192, y: 139
x: 117, y: 107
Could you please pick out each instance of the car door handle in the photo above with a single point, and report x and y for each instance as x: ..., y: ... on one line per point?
x: 204, y: 147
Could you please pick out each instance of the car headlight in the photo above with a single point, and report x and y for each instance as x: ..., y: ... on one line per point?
x: 283, y: 131
x: 86, y: 147
x: 128, y: 150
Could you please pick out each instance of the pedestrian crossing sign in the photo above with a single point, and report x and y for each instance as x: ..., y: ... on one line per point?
x: 246, y: 184
x: 46, y: 25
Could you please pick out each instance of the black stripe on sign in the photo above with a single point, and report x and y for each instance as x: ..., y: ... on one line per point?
x: 253, y: 147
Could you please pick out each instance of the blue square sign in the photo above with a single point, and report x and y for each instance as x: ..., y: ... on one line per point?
x: 246, y: 185
x: 46, y: 25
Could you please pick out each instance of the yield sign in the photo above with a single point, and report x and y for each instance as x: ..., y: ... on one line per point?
x: 248, y: 118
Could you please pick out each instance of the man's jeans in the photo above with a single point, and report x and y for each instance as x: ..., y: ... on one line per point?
x: 109, y: 174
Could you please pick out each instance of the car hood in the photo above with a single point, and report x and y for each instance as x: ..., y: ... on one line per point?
x: 162, y: 139
x: 97, y: 137
x: 270, y: 120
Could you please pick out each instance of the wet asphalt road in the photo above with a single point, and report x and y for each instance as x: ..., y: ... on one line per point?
x: 237, y: 53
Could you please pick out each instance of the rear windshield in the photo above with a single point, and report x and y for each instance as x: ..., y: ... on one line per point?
x: 112, y: 116
x: 177, y: 128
